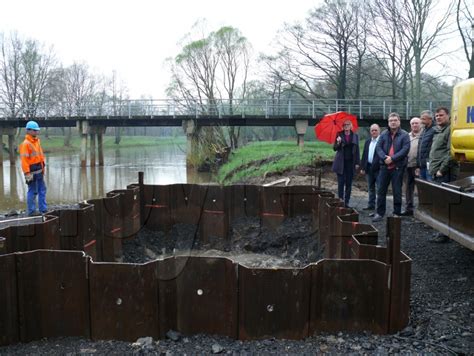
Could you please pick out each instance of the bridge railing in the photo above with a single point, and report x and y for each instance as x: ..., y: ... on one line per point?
x: 290, y: 108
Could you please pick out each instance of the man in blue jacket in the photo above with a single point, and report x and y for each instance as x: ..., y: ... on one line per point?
x: 392, y: 150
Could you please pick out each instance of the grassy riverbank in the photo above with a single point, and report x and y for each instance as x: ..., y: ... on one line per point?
x: 55, y: 144
x: 258, y: 158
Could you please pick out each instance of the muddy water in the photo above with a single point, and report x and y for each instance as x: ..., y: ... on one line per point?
x: 68, y: 183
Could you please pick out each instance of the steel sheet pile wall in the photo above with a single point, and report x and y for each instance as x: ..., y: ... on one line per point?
x: 448, y: 210
x: 358, y: 286
x: 96, y: 227
x: 46, y: 295
x: 43, y: 235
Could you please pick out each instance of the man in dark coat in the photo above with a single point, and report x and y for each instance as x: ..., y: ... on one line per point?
x: 424, y: 145
x: 370, y: 165
x: 392, y: 149
x: 442, y: 167
x: 346, y: 161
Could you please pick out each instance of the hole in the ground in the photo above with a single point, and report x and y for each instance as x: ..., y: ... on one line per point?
x: 249, y: 241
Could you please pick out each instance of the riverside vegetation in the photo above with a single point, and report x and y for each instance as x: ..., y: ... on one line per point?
x: 53, y: 144
x: 261, y: 158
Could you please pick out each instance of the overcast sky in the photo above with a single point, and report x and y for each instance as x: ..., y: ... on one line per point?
x: 134, y: 37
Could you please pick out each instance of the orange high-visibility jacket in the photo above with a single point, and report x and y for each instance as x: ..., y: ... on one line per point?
x: 31, y: 154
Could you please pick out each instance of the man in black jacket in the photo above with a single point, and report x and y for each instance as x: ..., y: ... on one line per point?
x: 370, y: 164
x: 392, y: 149
x: 424, y: 145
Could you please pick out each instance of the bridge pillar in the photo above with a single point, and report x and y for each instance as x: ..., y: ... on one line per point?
x: 1, y: 147
x: 11, y: 149
x: 92, y: 139
x: 11, y: 132
x: 100, y: 147
x: 190, y: 129
x: 83, y: 127
x: 301, y: 126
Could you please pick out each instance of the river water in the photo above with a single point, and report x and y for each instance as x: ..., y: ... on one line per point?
x: 68, y: 183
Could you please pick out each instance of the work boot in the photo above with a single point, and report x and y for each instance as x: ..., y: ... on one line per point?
x: 368, y: 208
x: 440, y: 238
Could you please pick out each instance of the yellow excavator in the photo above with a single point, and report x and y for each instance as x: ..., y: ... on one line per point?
x: 449, y: 207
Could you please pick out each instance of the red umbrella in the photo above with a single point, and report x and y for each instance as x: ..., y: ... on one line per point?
x: 327, y: 129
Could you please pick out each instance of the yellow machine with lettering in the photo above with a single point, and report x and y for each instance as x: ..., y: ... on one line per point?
x: 449, y: 208
x: 462, y: 122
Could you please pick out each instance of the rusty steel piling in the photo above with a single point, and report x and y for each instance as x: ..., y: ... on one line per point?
x: 63, y: 276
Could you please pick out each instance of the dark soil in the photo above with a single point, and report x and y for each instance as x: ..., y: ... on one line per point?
x: 292, y: 244
x: 441, y: 316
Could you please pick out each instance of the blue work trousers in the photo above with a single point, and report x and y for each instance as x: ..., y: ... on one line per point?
x: 37, y: 188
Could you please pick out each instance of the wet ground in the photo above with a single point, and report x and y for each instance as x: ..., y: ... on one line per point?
x: 292, y: 244
x: 441, y: 308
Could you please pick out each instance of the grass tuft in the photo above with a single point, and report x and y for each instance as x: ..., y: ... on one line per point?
x: 258, y: 158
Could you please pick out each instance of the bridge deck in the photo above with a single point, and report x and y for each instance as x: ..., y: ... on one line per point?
x: 176, y: 121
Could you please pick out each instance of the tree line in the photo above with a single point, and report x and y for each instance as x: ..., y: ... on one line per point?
x: 344, y: 49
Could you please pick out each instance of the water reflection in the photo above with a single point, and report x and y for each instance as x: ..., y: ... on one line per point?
x: 68, y: 183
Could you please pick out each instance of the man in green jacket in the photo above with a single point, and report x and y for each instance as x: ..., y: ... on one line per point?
x: 441, y: 166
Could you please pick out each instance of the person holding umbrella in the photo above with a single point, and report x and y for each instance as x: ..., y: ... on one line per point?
x: 346, y: 161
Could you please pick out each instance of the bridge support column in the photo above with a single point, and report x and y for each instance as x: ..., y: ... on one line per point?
x: 301, y: 126
x: 83, y: 127
x: 1, y: 147
x: 11, y: 132
x: 92, y: 156
x: 190, y: 129
x: 100, y: 147
x: 11, y: 149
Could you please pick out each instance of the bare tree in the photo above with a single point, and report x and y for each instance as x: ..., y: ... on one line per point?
x: 320, y: 49
x: 233, y: 49
x: 360, y: 43
x: 389, y: 47
x: 464, y: 19
x: 210, y: 68
x: 10, y: 67
x: 424, y: 34
x: 36, y: 63
x: 79, y: 86
x: 118, y: 95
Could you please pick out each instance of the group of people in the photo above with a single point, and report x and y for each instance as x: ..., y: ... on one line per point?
x: 424, y: 153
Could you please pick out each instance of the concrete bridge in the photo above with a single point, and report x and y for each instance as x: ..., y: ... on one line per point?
x: 92, y: 118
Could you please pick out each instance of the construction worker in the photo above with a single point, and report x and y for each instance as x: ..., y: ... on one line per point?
x: 33, y: 166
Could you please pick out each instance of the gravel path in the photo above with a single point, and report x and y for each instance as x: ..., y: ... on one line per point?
x: 441, y: 317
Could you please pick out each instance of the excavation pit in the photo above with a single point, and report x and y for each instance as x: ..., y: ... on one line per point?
x: 67, y: 276
x: 291, y: 244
